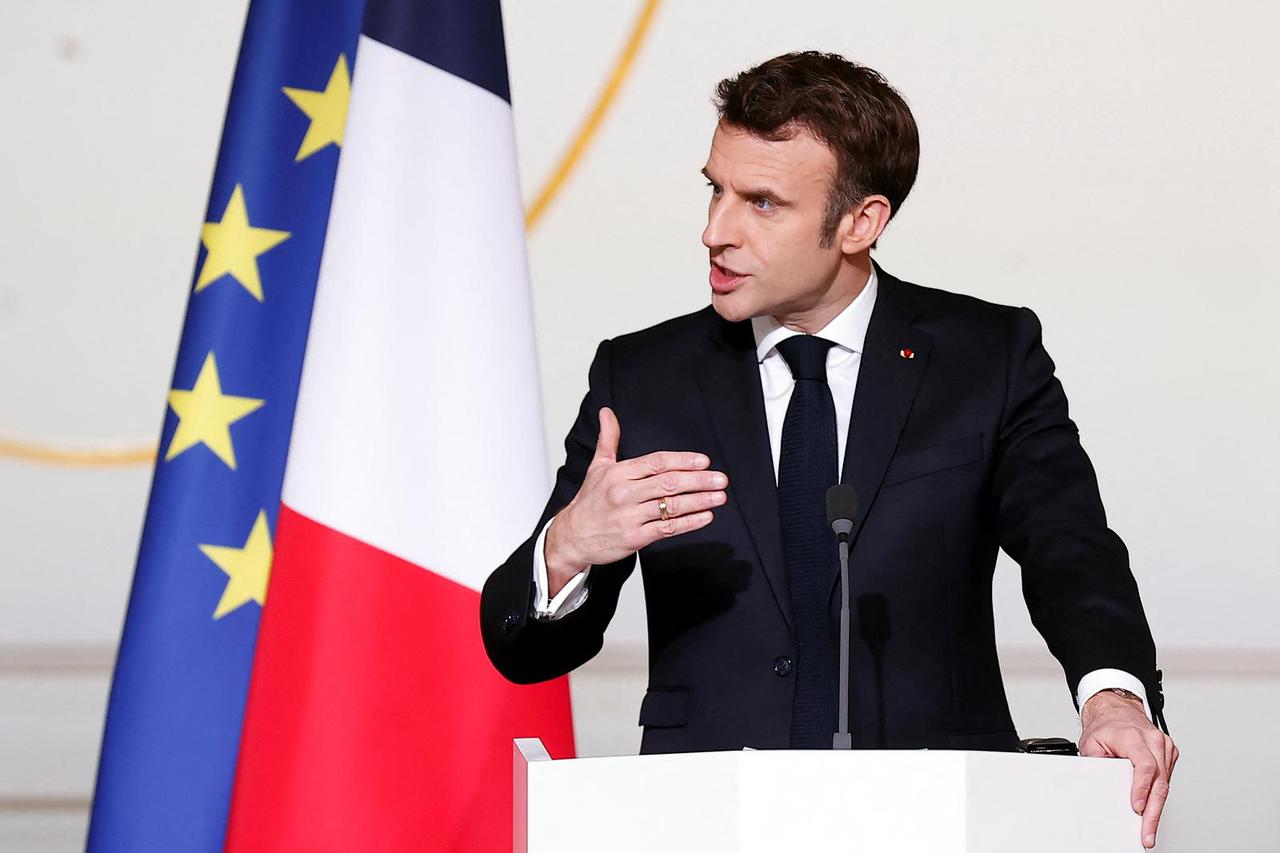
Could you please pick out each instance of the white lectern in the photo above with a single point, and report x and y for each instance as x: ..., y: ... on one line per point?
x: 780, y: 801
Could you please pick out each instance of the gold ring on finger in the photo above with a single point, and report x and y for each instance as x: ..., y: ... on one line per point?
x: 663, y: 509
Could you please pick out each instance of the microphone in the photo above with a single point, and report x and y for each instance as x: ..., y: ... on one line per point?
x: 842, y: 508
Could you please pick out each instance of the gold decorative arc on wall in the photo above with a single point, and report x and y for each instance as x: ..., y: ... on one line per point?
x: 43, y: 453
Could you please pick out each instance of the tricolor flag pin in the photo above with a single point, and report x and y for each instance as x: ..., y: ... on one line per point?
x: 906, y: 353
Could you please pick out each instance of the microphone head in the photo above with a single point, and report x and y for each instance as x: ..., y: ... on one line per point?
x: 842, y: 508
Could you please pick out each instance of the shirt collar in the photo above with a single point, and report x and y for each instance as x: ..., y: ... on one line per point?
x: 848, y: 329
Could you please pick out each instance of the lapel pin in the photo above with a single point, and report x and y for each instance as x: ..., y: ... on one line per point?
x: 907, y: 353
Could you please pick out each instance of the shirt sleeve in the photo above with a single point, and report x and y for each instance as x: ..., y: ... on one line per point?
x: 571, y: 596
x: 1102, y: 679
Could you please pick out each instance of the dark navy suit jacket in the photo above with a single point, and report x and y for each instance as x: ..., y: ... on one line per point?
x: 964, y: 448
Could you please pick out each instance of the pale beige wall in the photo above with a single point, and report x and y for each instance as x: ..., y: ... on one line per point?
x: 1113, y: 166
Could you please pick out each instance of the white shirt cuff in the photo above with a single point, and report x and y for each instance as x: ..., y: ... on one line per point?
x: 570, y: 597
x: 1101, y: 679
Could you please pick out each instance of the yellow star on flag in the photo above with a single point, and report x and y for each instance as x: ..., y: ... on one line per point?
x: 327, y: 110
x: 234, y: 246
x: 247, y: 568
x: 205, y: 415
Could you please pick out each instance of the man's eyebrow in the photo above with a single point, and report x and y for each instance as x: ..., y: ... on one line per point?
x: 764, y: 192
x: 756, y: 192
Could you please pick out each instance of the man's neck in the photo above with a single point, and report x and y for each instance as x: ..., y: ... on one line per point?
x: 850, y: 281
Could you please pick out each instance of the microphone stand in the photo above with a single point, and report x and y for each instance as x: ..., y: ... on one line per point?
x: 842, y: 509
x: 842, y: 739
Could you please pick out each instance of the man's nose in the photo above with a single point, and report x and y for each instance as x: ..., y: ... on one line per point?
x: 722, y: 228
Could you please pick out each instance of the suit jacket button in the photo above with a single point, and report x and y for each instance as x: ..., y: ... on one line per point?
x: 512, y: 620
x: 782, y: 666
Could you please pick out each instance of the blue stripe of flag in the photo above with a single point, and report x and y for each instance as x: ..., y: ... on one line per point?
x: 464, y: 39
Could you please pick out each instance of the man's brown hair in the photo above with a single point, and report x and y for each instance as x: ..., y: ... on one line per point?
x: 849, y: 107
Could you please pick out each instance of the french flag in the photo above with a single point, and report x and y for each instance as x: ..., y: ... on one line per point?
x: 374, y: 719
x: 357, y: 374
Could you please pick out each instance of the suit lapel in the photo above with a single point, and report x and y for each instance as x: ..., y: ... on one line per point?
x: 894, y: 358
x: 730, y: 384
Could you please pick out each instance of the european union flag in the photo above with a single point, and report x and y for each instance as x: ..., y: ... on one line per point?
x: 178, y: 698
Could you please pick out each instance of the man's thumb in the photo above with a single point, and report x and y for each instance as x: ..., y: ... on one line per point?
x: 610, y: 433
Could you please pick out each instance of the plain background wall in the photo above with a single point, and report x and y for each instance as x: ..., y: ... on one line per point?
x: 1113, y: 166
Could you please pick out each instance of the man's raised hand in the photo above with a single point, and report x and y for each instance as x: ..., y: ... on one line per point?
x: 616, y: 511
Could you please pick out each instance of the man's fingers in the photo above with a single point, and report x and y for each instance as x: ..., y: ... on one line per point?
x: 1145, y: 770
x: 677, y: 483
x: 1155, y: 805
x: 683, y: 504
x: 655, y: 530
x: 662, y: 461
x: 1159, y: 746
x: 1156, y: 744
x: 610, y: 434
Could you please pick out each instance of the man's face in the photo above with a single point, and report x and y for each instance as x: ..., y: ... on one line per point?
x: 764, y: 224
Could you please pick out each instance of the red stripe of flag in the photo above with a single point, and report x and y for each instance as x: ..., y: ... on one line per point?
x: 375, y: 720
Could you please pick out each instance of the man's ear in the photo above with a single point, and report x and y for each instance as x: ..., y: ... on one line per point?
x: 861, y: 226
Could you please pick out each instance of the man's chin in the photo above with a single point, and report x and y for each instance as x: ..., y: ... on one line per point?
x: 731, y: 307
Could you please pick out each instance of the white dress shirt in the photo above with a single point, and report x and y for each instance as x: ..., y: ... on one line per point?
x: 848, y: 331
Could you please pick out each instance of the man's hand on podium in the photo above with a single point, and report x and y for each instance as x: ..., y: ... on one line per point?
x: 624, y: 506
x: 1117, y: 727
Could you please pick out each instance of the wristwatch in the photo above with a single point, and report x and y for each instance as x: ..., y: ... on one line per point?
x: 1128, y: 694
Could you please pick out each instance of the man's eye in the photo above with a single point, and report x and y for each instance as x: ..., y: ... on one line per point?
x: 762, y: 203
x: 715, y: 190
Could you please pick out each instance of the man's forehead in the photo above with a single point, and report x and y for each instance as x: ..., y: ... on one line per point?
x: 798, y: 158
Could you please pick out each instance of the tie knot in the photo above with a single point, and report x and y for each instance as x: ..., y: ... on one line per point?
x: 806, y: 355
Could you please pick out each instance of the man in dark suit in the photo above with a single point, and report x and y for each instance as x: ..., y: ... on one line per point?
x: 706, y: 445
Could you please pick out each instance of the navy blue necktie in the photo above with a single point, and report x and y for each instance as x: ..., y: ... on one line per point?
x: 807, y: 467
